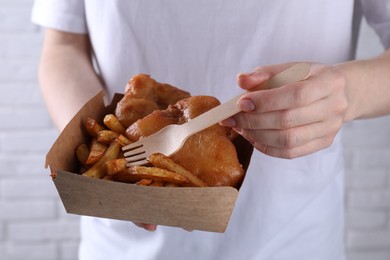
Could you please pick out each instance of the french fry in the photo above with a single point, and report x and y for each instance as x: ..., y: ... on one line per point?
x: 107, y: 177
x: 137, y: 173
x: 113, y: 123
x: 106, y: 136
x: 149, y: 182
x: 99, y: 169
x: 96, y: 152
x: 144, y: 182
x: 104, y: 159
x: 82, y: 153
x: 164, y: 162
x: 123, y: 140
x: 169, y: 184
x: 115, y: 166
x: 93, y: 127
x: 157, y: 184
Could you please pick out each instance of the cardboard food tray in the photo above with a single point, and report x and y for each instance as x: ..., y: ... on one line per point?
x: 207, y: 209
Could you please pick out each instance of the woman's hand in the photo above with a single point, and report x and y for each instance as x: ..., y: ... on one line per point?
x: 293, y: 120
x: 152, y: 227
x: 148, y: 227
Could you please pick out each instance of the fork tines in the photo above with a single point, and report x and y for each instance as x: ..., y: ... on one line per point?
x: 135, y: 155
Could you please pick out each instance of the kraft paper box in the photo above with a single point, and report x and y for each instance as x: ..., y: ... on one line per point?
x: 207, y: 209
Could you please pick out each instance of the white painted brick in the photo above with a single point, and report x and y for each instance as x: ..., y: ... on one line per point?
x: 369, y: 255
x: 370, y: 178
x: 16, y: 3
x: 349, y: 158
x: 368, y: 133
x: 388, y: 184
x: 18, y: 70
x: 366, y: 220
x: 379, y: 170
x: 64, y: 216
x: 43, y: 231
x: 388, y: 223
x: 369, y: 200
x: 369, y: 240
x: 3, y: 52
x: 30, y: 251
x: 2, y: 251
x: 32, y: 187
x: 32, y: 141
x: 16, y: 19
x: 373, y: 157
x: 32, y: 164
x: 24, y: 117
x: 2, y: 233
x: 27, y: 209
x: 14, y: 46
x: 20, y: 94
x: 371, y: 124
x: 69, y: 250
x: 367, y: 137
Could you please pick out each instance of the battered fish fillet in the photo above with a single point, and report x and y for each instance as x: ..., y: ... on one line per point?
x: 144, y: 95
x: 209, y: 154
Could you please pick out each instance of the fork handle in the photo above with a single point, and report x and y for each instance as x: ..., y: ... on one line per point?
x: 293, y: 74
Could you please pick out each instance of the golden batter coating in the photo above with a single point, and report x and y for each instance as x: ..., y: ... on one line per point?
x: 143, y: 95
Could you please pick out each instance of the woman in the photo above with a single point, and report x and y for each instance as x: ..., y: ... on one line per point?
x: 291, y: 203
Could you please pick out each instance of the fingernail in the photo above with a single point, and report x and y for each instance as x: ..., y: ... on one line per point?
x: 243, y: 75
x: 241, y: 78
x: 246, y: 105
x: 150, y: 227
x: 229, y: 122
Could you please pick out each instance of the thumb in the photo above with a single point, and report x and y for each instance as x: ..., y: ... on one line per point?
x: 259, y: 75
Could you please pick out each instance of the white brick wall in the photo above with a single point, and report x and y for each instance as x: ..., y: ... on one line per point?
x: 367, y: 150
x: 33, y: 224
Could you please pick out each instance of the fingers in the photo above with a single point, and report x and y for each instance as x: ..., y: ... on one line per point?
x: 288, y: 118
x: 286, y: 97
x: 292, y: 133
x: 152, y: 227
x: 148, y: 227
x: 251, y: 80
x: 322, y: 82
x: 292, y: 137
x: 259, y: 75
x: 291, y: 153
x: 295, y: 119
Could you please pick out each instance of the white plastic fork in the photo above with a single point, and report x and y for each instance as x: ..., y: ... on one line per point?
x: 171, y: 138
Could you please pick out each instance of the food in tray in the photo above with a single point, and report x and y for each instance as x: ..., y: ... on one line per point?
x: 208, y: 158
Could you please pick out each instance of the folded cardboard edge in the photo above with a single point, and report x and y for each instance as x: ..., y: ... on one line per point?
x: 71, y: 135
x: 191, y: 208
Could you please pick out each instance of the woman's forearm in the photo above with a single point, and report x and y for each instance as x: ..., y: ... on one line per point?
x: 367, y: 87
x: 66, y: 75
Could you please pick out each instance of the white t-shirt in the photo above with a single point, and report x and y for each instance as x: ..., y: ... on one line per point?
x: 286, y: 209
